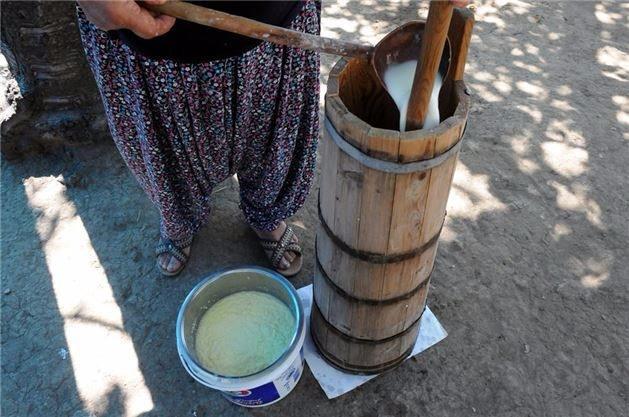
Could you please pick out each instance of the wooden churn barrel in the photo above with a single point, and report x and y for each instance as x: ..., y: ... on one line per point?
x: 382, y: 202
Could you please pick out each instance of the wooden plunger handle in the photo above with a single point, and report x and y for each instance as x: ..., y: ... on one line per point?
x: 433, y: 41
x: 254, y: 29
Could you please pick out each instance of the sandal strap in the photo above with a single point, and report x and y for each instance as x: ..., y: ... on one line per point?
x: 169, y: 247
x: 279, y: 247
x: 268, y: 244
x: 182, y: 243
x: 178, y: 254
x: 161, y: 249
x: 294, y: 247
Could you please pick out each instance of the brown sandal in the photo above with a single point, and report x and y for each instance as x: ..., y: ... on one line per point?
x: 176, y: 251
x: 277, y: 249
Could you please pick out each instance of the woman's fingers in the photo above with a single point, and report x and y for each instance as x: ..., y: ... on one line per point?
x: 460, y: 3
x: 127, y: 14
x: 141, y: 22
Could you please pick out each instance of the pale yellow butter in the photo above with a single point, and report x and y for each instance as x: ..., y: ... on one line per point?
x: 243, y: 333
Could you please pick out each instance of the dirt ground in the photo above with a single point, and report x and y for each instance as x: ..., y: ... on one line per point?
x: 531, y: 276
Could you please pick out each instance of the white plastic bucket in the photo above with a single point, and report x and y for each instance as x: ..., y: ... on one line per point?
x: 262, y: 388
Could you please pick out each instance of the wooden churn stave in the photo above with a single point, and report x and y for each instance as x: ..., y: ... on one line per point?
x: 382, y: 204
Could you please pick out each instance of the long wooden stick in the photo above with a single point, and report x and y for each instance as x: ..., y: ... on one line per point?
x: 433, y: 41
x: 254, y: 29
x: 459, y: 35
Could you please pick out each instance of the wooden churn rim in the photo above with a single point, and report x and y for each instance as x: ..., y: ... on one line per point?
x: 391, y: 150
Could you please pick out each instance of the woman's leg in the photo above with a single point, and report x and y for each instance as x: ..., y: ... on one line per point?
x: 278, y: 125
x: 159, y: 114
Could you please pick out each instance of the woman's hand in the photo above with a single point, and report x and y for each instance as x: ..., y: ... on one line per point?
x: 460, y: 3
x: 127, y: 14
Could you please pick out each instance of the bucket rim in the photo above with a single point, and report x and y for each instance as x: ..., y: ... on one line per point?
x: 234, y: 383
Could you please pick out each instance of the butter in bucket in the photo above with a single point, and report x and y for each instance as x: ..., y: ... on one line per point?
x: 243, y: 333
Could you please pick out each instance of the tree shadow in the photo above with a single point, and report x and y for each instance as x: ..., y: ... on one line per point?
x: 122, y: 229
x: 37, y: 375
x: 531, y: 259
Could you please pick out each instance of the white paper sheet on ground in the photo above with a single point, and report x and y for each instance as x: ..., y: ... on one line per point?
x: 335, y: 382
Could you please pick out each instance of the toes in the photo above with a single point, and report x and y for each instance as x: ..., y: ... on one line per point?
x: 163, y: 260
x: 168, y: 263
x: 289, y: 258
x: 284, y: 264
x: 173, y: 265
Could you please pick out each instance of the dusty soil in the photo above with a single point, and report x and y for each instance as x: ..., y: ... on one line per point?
x: 531, y: 276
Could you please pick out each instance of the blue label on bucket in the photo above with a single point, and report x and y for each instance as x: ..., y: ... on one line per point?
x: 261, y: 395
x: 271, y: 391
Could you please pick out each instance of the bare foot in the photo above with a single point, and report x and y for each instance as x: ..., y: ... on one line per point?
x: 275, y: 235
